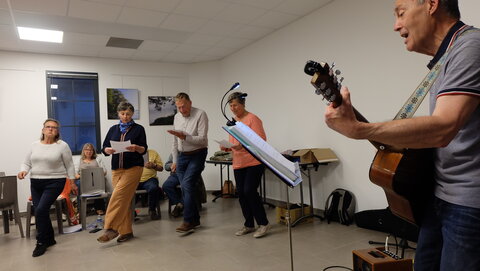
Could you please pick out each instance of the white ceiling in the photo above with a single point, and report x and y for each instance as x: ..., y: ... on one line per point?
x: 178, y: 31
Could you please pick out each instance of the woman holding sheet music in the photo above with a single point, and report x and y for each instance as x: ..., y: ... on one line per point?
x: 127, y: 168
x: 248, y: 171
x: 89, y: 159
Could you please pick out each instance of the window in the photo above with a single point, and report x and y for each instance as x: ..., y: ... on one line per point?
x: 72, y: 99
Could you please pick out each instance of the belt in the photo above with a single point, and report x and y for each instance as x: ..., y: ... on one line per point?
x: 192, y: 152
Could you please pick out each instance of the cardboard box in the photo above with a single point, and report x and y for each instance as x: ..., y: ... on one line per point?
x: 295, y: 213
x: 316, y: 155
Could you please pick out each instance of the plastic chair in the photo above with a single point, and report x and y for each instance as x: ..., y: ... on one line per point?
x: 9, y: 201
x: 92, y: 186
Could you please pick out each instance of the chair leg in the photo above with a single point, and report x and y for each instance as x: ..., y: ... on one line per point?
x: 58, y: 210
x: 18, y: 220
x: 83, y: 213
x: 29, y: 219
x: 6, y: 225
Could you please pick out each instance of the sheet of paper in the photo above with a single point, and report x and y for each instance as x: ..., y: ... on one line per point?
x: 120, y: 146
x: 224, y: 143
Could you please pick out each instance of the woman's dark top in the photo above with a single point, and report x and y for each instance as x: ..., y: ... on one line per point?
x: 136, y: 135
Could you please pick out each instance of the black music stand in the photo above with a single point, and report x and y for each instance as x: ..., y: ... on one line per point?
x: 249, y: 145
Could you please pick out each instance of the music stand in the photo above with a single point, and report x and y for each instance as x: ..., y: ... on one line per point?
x: 273, y: 160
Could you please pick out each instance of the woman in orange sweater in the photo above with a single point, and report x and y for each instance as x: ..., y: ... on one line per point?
x: 248, y: 171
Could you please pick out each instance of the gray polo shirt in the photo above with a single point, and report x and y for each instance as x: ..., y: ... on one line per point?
x: 457, y: 166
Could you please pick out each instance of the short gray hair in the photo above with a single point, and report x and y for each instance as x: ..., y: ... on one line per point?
x: 449, y: 6
x: 123, y: 106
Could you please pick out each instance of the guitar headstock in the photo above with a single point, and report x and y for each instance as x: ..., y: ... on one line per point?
x: 325, y: 80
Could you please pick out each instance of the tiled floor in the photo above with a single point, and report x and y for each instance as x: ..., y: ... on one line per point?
x: 211, y: 247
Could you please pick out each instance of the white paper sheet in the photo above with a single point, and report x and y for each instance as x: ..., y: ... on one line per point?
x: 120, y: 146
x: 224, y: 143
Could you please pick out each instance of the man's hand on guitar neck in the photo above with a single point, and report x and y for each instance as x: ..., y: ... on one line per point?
x: 342, y: 119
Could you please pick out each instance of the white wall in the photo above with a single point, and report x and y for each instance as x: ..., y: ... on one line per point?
x: 358, y: 36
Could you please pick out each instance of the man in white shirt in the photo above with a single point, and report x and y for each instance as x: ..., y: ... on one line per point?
x: 189, y: 151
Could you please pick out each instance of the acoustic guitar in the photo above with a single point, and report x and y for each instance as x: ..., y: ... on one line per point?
x: 406, y: 175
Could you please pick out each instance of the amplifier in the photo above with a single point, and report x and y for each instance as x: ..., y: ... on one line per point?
x: 377, y: 259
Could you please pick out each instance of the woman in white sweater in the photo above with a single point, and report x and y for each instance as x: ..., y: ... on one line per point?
x: 49, y: 163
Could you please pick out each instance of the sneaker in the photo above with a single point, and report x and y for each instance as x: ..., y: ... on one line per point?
x: 196, y: 224
x: 154, y: 215
x: 51, y: 243
x: 186, y: 227
x: 39, y: 250
x: 124, y: 237
x: 262, y: 231
x: 178, y: 210
x: 107, y: 236
x: 244, y: 230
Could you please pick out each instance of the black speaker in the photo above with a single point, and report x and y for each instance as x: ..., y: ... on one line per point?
x: 383, y: 220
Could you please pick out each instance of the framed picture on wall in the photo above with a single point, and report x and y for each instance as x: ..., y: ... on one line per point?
x: 117, y: 95
x: 161, y: 110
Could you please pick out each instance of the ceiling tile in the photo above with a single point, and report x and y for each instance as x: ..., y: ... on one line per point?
x: 236, y: 43
x: 7, y: 32
x: 112, y: 52
x: 274, y: 19
x: 159, y: 5
x: 219, y: 28
x: 301, y: 8
x: 203, y: 39
x: 183, y: 23
x: 5, y: 17
x: 178, y: 58
x: 203, y: 9
x: 115, y: 2
x: 150, y: 45
x: 149, y: 55
x: 53, y: 7
x: 252, y: 32
x: 142, y: 17
x: 236, y: 13
x: 191, y: 49
x: 94, y: 11
x: 84, y: 39
x: 205, y: 58
x: 3, y: 4
x: 266, y: 4
x: 219, y: 51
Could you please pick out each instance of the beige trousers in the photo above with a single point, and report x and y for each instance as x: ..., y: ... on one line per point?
x: 119, y: 214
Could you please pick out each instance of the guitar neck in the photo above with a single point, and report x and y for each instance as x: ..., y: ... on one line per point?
x: 361, y: 118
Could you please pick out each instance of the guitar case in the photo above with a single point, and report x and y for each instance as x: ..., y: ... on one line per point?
x: 383, y: 220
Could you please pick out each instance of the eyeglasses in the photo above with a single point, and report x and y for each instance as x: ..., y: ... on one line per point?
x: 51, y: 127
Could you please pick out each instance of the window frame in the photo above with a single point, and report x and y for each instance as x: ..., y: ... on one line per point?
x: 76, y: 75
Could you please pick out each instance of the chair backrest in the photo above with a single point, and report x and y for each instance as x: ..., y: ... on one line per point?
x: 92, y: 180
x: 8, y: 191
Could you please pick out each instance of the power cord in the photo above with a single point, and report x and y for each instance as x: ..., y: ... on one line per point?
x: 337, y: 266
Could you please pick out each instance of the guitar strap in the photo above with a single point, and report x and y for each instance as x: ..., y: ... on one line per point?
x: 414, y: 101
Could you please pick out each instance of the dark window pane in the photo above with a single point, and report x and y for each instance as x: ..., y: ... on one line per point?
x: 84, y: 89
x: 85, y: 113
x: 86, y: 134
x: 64, y: 89
x: 64, y: 112
x: 68, y: 135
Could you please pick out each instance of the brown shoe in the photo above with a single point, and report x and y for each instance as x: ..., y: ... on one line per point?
x: 124, y: 237
x: 186, y: 227
x: 107, y: 236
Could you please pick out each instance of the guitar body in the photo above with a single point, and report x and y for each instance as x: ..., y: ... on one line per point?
x: 407, y: 179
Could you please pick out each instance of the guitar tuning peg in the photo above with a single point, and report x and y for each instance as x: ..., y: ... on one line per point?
x: 339, y: 86
x: 318, y: 91
x: 341, y: 80
x: 323, y: 85
x: 328, y: 92
x: 333, y: 65
x: 338, y: 72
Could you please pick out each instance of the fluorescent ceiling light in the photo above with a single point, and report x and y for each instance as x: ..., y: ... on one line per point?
x: 37, y: 34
